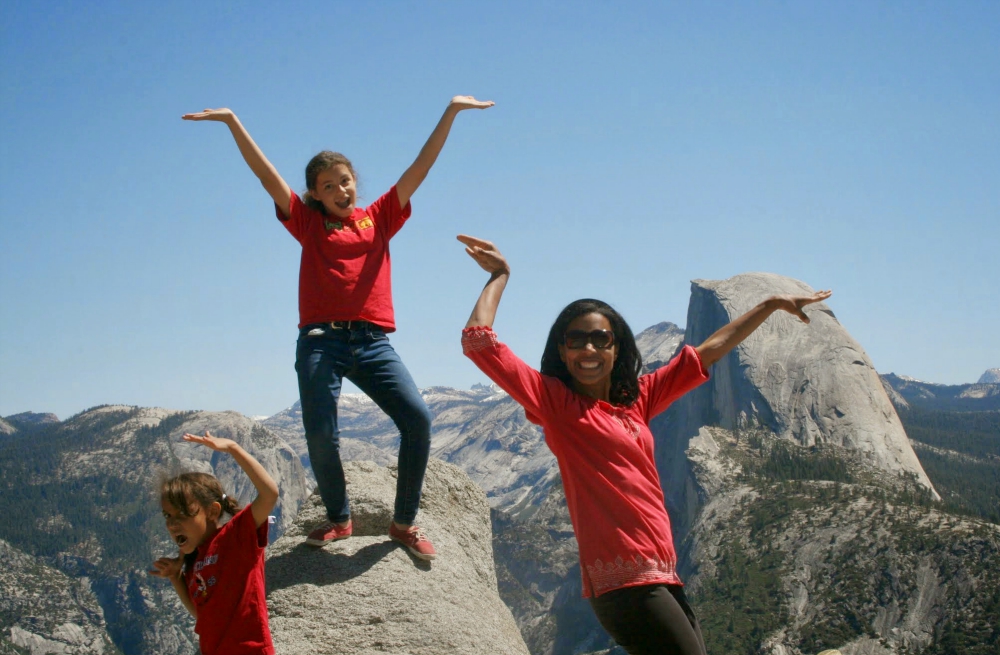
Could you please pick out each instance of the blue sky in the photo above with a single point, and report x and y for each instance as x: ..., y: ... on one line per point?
x: 852, y: 145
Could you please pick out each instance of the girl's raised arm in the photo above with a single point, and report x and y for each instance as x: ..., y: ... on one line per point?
x: 491, y: 261
x: 417, y: 172
x: 732, y: 334
x: 267, y: 489
x: 273, y: 183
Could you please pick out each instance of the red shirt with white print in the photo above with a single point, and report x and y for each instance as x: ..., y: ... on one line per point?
x: 226, y: 585
x: 345, y: 272
x: 605, y: 455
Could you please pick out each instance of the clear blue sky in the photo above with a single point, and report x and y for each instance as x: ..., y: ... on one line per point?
x: 852, y: 145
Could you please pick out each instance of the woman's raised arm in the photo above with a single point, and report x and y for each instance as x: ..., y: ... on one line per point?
x: 491, y: 261
x: 269, y: 178
x: 732, y: 334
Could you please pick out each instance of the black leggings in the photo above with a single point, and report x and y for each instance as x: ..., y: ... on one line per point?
x: 650, y: 620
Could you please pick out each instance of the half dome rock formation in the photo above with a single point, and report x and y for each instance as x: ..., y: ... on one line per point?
x: 812, y: 384
x: 991, y: 376
x: 368, y: 594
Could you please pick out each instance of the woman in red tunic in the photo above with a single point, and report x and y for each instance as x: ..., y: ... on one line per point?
x: 594, y: 410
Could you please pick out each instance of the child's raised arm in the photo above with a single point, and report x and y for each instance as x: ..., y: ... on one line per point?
x: 272, y: 182
x: 415, y: 174
x: 491, y: 261
x: 732, y: 334
x: 267, y: 490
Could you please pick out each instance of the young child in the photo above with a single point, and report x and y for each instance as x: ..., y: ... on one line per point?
x: 219, y: 573
x: 346, y: 313
x: 594, y: 409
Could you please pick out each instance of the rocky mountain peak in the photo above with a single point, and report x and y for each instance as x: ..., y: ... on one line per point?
x: 811, y: 384
x: 991, y: 376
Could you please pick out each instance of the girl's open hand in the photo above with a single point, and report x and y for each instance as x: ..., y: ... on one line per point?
x: 794, y: 304
x: 166, y: 567
x: 485, y: 254
x: 221, y: 115
x: 468, y: 102
x: 215, y: 443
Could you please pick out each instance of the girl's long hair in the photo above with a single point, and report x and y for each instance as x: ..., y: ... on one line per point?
x: 628, y: 363
x: 201, y: 489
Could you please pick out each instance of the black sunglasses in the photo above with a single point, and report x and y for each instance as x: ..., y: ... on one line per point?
x: 576, y: 339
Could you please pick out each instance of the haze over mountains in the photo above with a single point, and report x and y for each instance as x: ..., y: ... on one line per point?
x: 804, y: 517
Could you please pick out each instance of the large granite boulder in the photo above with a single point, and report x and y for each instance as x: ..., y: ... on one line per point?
x: 812, y: 384
x: 368, y: 594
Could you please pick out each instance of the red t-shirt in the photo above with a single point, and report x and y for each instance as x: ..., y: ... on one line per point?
x: 345, y: 272
x: 605, y: 455
x: 226, y: 585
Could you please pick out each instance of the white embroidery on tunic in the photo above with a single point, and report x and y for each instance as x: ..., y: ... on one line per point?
x: 630, y: 571
x: 474, y: 339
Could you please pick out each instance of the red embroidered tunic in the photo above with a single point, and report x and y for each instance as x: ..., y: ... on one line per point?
x: 605, y: 455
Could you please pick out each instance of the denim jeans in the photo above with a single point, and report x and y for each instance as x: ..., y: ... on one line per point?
x: 324, y: 356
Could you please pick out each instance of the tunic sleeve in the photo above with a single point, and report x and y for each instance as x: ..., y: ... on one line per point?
x: 668, y: 383
x: 535, y: 392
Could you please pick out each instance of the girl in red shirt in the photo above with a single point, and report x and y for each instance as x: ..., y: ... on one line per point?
x: 219, y: 572
x: 345, y: 313
x: 594, y: 409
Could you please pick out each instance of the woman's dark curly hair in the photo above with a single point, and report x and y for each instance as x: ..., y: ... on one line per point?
x: 628, y: 363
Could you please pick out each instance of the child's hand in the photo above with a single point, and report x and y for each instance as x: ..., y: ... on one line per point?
x: 485, y: 254
x: 468, y: 102
x: 166, y: 567
x: 221, y: 115
x: 794, y: 304
x: 215, y: 443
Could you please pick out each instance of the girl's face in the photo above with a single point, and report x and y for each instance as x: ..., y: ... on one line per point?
x: 189, y: 531
x: 335, y: 188
x: 589, y: 365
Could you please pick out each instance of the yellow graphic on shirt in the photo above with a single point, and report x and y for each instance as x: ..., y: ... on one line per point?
x: 365, y: 223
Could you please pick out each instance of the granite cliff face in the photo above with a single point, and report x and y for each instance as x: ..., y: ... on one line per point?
x: 991, y: 376
x: 811, y: 384
x: 368, y: 594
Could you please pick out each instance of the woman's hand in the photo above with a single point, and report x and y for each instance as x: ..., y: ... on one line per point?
x: 222, y: 115
x: 166, y: 567
x: 215, y: 443
x: 485, y: 254
x: 794, y: 304
x: 468, y: 102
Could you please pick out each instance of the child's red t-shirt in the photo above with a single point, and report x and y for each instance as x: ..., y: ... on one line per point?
x: 226, y: 585
x: 345, y: 272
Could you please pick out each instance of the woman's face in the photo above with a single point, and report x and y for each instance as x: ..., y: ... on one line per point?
x: 589, y: 365
x: 335, y: 188
x: 189, y: 531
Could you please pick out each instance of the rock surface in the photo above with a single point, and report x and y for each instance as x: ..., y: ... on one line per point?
x: 368, y: 594
x: 991, y: 376
x: 812, y: 384
x: 42, y: 610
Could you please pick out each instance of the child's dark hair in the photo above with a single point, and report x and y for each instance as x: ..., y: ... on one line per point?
x: 200, y: 488
x: 628, y: 362
x: 318, y: 164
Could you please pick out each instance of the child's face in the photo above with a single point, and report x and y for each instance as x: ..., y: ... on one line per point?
x: 189, y: 531
x: 335, y: 188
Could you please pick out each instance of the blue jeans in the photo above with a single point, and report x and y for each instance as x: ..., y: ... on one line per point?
x: 323, y: 357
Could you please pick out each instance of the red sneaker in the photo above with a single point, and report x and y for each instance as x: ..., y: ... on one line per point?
x: 329, y: 532
x: 414, y: 539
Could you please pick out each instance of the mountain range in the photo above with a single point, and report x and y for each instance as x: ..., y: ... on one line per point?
x: 815, y: 503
